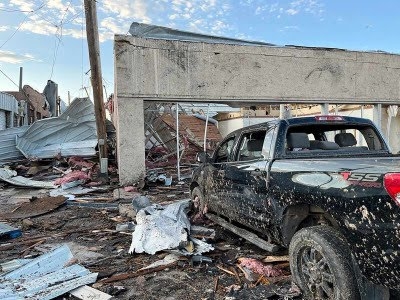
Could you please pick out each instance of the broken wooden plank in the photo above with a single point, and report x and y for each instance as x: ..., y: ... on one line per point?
x: 274, y: 258
x: 141, y: 272
x: 87, y: 292
x: 247, y: 235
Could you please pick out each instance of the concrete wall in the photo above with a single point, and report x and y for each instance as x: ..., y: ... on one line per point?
x: 177, y: 71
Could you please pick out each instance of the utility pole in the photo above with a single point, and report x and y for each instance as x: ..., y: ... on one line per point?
x: 92, y: 34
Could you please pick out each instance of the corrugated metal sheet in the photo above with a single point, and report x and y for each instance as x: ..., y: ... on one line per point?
x: 13, y: 264
x: 72, y: 133
x: 8, y: 102
x: 8, y: 149
x: 45, y: 277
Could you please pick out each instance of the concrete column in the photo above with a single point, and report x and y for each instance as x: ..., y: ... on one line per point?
x: 325, y: 109
x: 130, y: 139
x: 377, y: 116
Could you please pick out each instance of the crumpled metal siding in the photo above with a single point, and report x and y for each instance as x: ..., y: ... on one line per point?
x: 72, y: 133
x: 8, y: 149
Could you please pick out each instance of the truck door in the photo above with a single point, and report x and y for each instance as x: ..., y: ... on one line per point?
x: 244, y: 194
x: 214, y: 172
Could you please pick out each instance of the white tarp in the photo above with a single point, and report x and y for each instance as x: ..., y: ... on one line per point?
x: 160, y: 228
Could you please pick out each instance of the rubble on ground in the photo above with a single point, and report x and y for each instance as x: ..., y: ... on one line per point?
x: 140, y: 241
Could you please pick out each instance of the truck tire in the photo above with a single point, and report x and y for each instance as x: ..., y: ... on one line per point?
x: 321, y: 265
x: 198, y: 200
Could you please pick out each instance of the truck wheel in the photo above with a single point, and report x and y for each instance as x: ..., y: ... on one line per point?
x: 321, y: 264
x: 198, y: 200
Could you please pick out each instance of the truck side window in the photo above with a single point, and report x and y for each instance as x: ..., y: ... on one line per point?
x: 250, y: 146
x: 224, y: 150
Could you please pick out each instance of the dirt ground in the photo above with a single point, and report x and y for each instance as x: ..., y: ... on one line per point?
x: 88, y: 226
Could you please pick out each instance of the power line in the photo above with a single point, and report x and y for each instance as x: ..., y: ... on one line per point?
x: 59, y: 39
x: 21, y: 10
x: 12, y: 35
x: 9, y: 78
x: 26, y: 17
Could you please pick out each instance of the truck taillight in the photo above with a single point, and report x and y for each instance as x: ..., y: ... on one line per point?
x: 391, y: 181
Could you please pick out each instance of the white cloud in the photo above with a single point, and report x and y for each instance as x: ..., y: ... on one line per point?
x: 4, y: 28
x: 13, y: 58
x: 23, y: 5
x: 292, y: 11
x: 314, y: 7
x: 128, y: 9
x: 58, y: 5
x: 39, y: 27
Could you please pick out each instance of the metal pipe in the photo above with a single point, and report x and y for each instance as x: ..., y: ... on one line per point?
x: 205, y: 128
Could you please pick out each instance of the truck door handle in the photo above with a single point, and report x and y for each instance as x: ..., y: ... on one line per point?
x: 221, y: 173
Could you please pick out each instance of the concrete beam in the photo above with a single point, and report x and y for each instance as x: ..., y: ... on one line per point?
x: 165, y: 70
x: 178, y: 71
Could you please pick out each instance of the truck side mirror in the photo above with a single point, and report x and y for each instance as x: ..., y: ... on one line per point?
x: 203, y: 157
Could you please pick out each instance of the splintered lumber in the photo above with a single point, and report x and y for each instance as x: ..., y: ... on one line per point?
x: 273, y: 258
x: 140, y: 272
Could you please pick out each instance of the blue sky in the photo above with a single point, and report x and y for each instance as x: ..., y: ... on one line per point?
x: 47, y: 37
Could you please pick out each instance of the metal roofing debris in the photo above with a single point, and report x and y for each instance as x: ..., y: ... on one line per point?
x: 72, y: 133
x: 8, y: 149
x: 10, y: 176
x: 159, y: 32
x: 45, y: 277
x: 13, y: 264
x: 11, y: 232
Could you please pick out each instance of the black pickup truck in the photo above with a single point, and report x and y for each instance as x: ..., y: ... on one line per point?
x: 325, y: 187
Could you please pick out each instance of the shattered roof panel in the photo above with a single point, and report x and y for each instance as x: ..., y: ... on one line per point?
x: 72, y: 133
x: 8, y: 149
